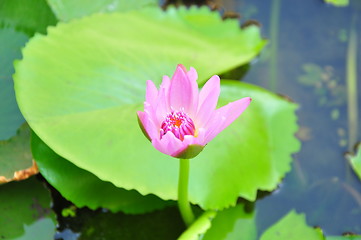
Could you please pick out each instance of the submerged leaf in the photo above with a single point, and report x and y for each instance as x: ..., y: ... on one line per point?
x: 25, y: 211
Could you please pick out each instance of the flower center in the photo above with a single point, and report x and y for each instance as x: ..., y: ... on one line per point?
x: 178, y: 123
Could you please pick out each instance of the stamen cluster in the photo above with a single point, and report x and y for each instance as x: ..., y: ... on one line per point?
x: 179, y: 123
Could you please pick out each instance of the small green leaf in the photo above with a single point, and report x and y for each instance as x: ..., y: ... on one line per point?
x: 66, y: 10
x: 15, y: 155
x: 355, y: 161
x: 69, y: 212
x: 85, y: 189
x: 199, y: 227
x: 292, y: 227
x: 26, y: 211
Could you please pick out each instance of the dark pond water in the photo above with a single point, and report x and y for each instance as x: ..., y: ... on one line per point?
x: 307, y: 61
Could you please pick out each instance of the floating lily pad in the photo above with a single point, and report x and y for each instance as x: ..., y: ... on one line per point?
x: 16, y: 160
x: 81, y: 98
x: 292, y: 227
x: 17, y: 24
x: 237, y: 224
x: 199, y: 227
x: 355, y: 161
x: 25, y: 211
x: 28, y: 16
x: 10, y: 117
x: 85, y: 189
x: 66, y: 10
x: 233, y: 224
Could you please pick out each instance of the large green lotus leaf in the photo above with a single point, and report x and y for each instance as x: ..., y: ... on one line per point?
x: 355, y: 161
x: 66, y: 10
x: 134, y: 46
x: 80, y: 87
x: 233, y: 224
x: 85, y: 189
x: 253, y: 153
x: 26, y: 211
x: 16, y: 159
x: 292, y: 227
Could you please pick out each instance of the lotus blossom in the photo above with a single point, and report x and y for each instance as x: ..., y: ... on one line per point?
x: 179, y: 120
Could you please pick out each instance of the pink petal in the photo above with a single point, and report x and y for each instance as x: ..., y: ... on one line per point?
x: 193, y: 76
x: 181, y: 90
x: 208, y: 98
x: 151, y: 94
x: 148, y: 125
x: 165, y: 83
x: 169, y: 144
x: 224, y: 116
x: 162, y: 104
x: 198, y: 140
x: 151, y: 100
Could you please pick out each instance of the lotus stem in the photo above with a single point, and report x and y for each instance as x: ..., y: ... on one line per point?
x: 351, y: 78
x: 183, y: 203
x: 275, y: 16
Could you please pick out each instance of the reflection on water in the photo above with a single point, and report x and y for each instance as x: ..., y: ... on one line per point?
x: 311, y: 60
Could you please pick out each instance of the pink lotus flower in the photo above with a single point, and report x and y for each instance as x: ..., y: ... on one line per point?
x: 179, y: 120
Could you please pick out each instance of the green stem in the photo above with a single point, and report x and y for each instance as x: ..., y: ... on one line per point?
x: 275, y: 17
x: 183, y: 203
x: 351, y: 78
